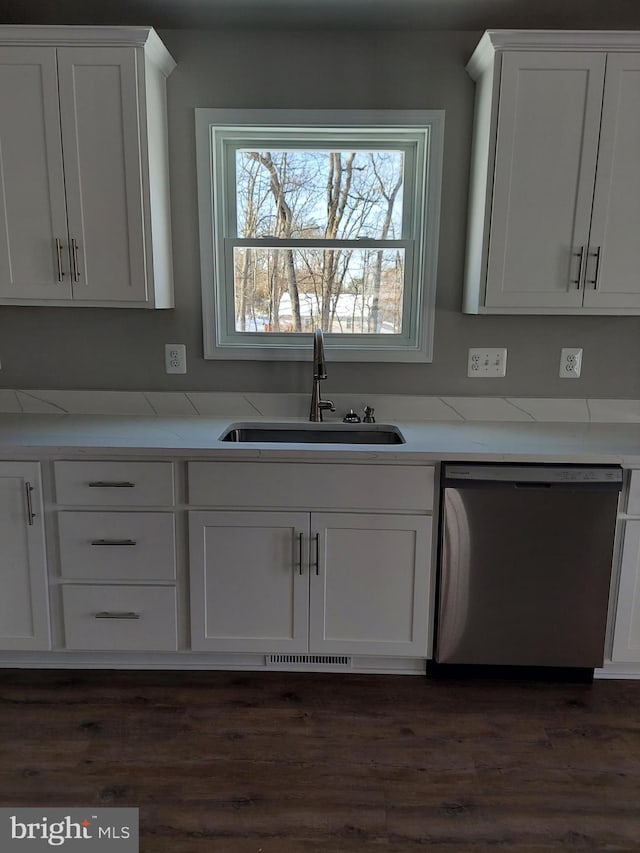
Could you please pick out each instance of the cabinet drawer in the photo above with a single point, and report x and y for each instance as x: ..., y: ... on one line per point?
x: 311, y: 486
x: 114, y: 483
x: 120, y: 618
x: 117, y: 545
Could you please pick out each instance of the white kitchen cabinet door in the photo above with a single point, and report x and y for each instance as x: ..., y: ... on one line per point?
x: 611, y: 277
x: 626, y: 637
x: 24, y: 617
x: 103, y: 172
x: 34, y: 260
x: 545, y: 162
x: 249, y: 581
x: 84, y: 174
x: 369, y: 578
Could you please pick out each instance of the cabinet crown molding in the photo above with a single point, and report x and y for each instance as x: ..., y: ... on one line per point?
x: 62, y: 36
x: 495, y: 41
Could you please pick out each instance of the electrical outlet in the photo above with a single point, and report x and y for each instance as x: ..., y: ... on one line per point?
x: 175, y: 358
x: 570, y: 362
x: 487, y: 362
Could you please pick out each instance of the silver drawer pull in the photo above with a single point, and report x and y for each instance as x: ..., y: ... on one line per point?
x: 300, y: 552
x: 116, y: 614
x: 317, y: 538
x: 581, y: 255
x: 74, y: 259
x: 114, y: 542
x: 594, y: 281
x: 111, y: 484
x: 59, y: 259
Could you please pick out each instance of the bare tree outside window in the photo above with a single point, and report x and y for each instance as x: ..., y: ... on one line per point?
x: 287, y: 196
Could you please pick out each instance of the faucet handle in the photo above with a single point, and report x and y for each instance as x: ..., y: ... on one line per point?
x: 368, y: 415
x: 322, y: 405
x: 351, y: 417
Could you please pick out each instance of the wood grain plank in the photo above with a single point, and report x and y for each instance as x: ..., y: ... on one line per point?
x: 302, y: 762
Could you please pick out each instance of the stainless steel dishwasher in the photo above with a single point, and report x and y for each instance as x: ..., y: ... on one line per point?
x: 525, y: 564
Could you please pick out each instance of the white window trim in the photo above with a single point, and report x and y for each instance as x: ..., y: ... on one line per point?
x: 359, y: 348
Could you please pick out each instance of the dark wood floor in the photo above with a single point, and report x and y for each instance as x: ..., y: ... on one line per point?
x: 302, y: 763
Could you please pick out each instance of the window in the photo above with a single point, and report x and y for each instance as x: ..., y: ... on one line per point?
x: 319, y: 219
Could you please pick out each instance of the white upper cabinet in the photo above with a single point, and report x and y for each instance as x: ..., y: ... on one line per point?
x: 84, y: 196
x: 554, y: 201
x: 546, y: 151
x: 611, y: 277
x: 33, y: 218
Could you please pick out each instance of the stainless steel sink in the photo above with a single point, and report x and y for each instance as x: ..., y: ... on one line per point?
x: 315, y: 433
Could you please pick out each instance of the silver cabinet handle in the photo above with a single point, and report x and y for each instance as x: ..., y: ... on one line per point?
x: 317, y: 562
x: 594, y: 281
x: 30, y: 513
x: 300, y: 552
x: 117, y: 614
x: 579, y: 254
x: 74, y: 259
x: 111, y: 484
x: 59, y: 259
x: 114, y: 542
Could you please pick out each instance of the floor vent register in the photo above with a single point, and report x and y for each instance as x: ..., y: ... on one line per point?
x: 309, y: 660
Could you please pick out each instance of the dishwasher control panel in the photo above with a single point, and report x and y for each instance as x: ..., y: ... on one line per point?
x: 578, y: 474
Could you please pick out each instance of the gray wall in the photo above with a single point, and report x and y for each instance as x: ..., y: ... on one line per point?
x: 123, y: 349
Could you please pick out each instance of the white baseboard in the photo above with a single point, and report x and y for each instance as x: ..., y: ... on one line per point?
x: 200, y: 661
x: 618, y: 670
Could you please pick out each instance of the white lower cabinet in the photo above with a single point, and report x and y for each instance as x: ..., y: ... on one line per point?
x: 626, y: 632
x: 626, y: 638
x: 114, y: 483
x: 259, y: 558
x: 24, y: 608
x: 118, y: 555
x: 335, y: 583
x: 134, y: 546
x: 369, y: 581
x: 123, y: 547
x: 120, y: 618
x: 249, y: 581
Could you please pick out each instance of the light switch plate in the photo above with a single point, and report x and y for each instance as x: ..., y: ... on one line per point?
x: 487, y: 362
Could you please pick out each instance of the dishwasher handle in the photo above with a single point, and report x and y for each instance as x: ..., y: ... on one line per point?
x: 525, y: 485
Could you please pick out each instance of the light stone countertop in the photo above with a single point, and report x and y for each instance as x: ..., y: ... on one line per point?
x: 32, y: 436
